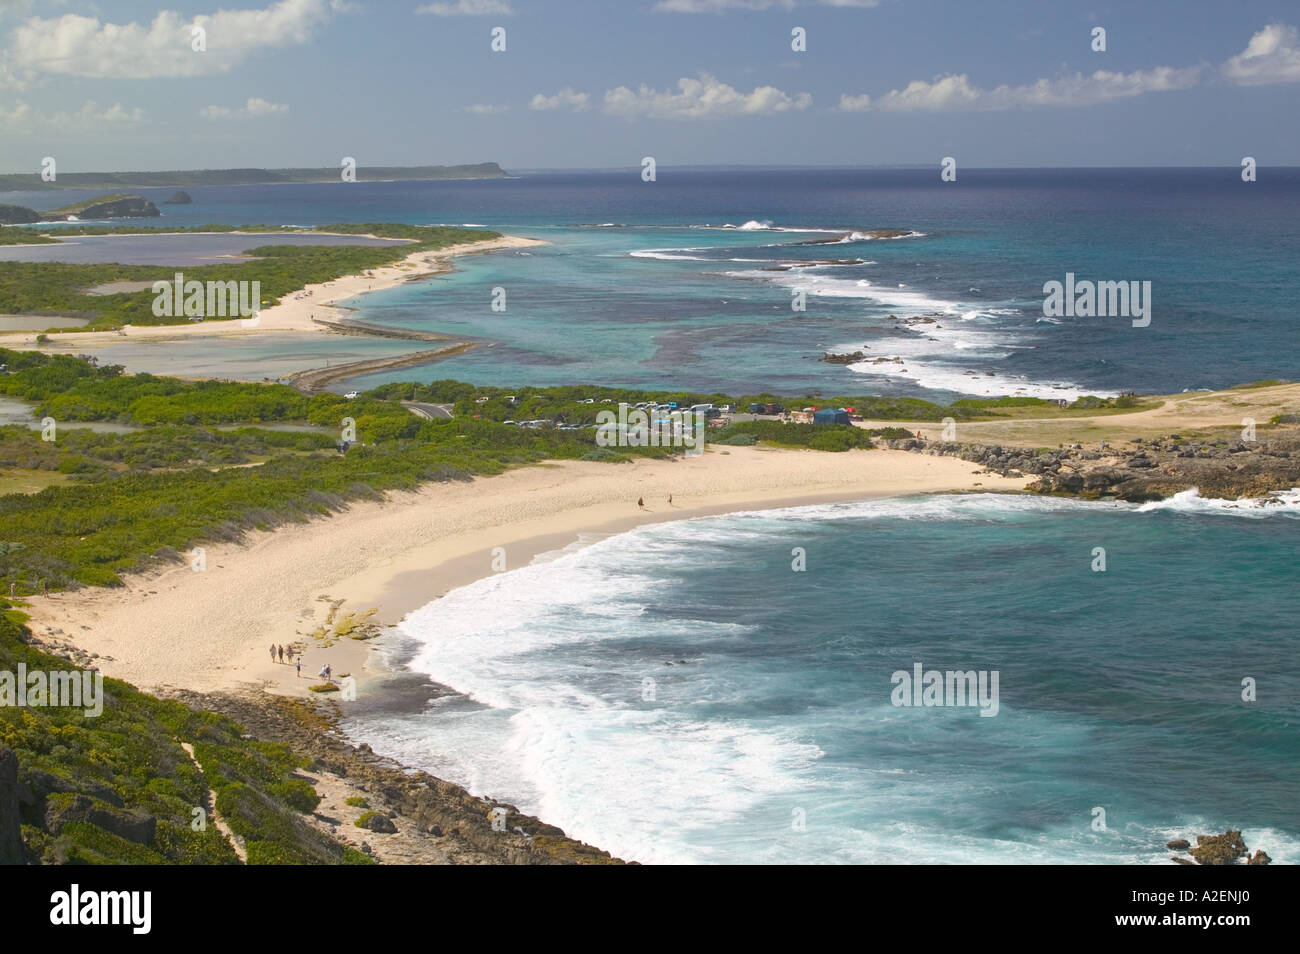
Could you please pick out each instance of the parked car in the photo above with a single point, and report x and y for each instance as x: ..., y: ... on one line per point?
x: 350, y: 395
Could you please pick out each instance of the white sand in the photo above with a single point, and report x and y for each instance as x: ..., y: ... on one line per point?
x: 210, y: 630
x: 295, y: 310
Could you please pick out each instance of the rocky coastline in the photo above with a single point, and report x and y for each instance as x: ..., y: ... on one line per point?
x: 404, y: 816
x: 1140, y: 470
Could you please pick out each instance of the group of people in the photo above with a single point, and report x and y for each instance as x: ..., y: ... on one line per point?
x: 640, y: 502
x: 278, y: 654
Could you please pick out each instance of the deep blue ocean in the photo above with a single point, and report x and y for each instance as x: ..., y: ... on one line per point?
x: 680, y: 693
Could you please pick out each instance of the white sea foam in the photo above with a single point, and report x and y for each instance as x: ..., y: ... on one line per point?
x: 938, y: 355
x: 1284, y: 502
x: 671, y: 255
x: 564, y: 733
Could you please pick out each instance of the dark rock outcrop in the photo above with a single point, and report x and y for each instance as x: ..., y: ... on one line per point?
x: 1144, y: 471
x: 374, y: 821
x: 129, y: 825
x: 832, y: 357
x: 18, y: 215
x: 11, y: 832
x: 179, y: 198
x: 1222, y: 849
x: 457, y: 824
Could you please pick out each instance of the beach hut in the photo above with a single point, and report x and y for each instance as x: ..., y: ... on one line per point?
x: 830, y: 415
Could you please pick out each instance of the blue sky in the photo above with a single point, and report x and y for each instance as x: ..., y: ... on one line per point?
x: 116, y: 85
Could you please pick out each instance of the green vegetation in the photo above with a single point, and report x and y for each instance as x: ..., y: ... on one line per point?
x: 17, y: 182
x: 891, y: 433
x: 356, y: 801
x: 118, y: 788
x: 15, y: 236
x: 132, y: 497
x: 76, y: 208
x: 18, y: 215
x: 1090, y: 403
x: 206, y: 464
x: 564, y: 404
x: 824, y: 437
x: 59, y: 287
x: 1086, y: 403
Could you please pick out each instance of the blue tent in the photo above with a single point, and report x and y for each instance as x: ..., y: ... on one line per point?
x: 829, y: 415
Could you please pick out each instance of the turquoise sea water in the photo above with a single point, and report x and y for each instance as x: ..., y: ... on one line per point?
x: 687, y: 282
x: 1119, y: 691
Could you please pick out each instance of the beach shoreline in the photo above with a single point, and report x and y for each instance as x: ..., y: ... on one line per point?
x: 295, y: 311
x: 176, y: 627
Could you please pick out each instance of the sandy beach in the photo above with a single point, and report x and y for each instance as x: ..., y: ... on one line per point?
x: 210, y: 630
x: 294, y: 311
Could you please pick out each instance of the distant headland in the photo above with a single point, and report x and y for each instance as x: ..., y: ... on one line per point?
x: 209, y: 177
x: 116, y: 206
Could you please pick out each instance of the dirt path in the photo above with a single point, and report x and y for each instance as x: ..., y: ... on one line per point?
x: 210, y: 806
x: 1189, y: 412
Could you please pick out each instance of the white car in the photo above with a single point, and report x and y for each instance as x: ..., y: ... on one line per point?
x: 350, y: 395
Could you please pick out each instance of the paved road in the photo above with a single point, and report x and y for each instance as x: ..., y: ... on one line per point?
x: 431, y: 411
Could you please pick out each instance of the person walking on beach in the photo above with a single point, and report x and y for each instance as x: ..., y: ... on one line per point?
x: 640, y: 503
x: 280, y: 650
x: 670, y: 500
x: 297, y: 667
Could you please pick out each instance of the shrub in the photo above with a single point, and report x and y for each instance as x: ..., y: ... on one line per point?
x: 298, y: 793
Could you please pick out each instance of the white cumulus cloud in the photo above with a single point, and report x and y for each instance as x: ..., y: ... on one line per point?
x: 722, y: 6
x: 1271, y: 56
x: 77, y: 45
x: 467, y: 8
x: 564, y: 99
x: 253, y: 108
x: 485, y: 109
x: 704, y: 97
x: 955, y: 92
x: 89, y: 115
